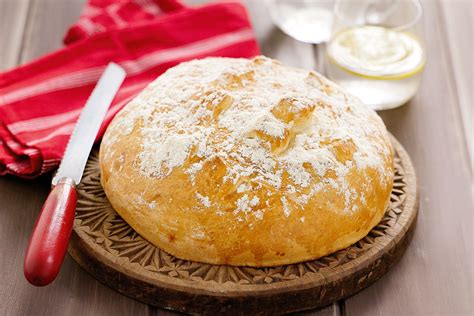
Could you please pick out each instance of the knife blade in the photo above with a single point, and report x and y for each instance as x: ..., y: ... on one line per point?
x: 84, y: 133
x: 50, y: 236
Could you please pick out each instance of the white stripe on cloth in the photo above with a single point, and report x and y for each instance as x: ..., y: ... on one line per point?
x: 112, y: 12
x: 14, y: 166
x: 44, y: 122
x: 12, y: 144
x: 51, y: 164
x: 149, y: 6
x: 67, y: 129
x: 89, y: 76
x: 87, y: 26
x: 91, y: 11
x: 62, y: 82
x: 51, y: 161
x: 63, y: 130
x: 197, y: 48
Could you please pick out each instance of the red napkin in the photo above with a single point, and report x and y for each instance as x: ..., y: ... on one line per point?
x: 41, y: 101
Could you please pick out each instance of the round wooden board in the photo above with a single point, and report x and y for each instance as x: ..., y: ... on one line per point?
x: 109, y: 249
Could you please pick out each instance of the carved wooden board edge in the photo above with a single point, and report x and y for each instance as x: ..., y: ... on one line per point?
x: 105, y: 246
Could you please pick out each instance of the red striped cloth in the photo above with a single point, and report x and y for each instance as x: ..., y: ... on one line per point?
x: 41, y: 101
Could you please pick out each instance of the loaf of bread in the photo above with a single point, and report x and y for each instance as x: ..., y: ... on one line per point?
x: 247, y: 162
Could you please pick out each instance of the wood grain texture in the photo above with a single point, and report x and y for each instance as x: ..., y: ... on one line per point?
x: 13, y: 16
x: 47, y: 23
x: 108, y: 248
x: 74, y: 292
x: 457, y: 16
x: 276, y: 44
x: 435, y: 275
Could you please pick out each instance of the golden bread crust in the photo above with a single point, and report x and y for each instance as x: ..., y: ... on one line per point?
x: 247, y: 162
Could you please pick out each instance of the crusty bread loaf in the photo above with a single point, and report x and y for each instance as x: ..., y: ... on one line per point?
x: 247, y: 162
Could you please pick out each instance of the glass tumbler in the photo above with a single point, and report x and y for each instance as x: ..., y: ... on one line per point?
x: 376, y: 50
x: 308, y: 21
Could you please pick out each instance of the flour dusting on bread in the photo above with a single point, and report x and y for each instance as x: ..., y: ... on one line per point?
x: 247, y: 162
x: 264, y: 122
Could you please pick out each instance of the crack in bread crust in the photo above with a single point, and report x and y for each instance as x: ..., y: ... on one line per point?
x: 248, y: 161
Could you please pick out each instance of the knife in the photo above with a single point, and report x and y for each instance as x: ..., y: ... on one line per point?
x: 49, y: 239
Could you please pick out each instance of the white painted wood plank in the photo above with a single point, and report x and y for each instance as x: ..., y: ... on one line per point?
x: 458, y: 18
x: 13, y: 15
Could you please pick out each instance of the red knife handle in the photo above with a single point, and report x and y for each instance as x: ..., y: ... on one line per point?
x: 48, y: 242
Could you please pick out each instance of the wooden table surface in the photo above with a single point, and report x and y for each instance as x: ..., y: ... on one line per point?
x: 435, y: 277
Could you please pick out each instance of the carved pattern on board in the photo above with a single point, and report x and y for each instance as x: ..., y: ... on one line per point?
x: 96, y: 218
